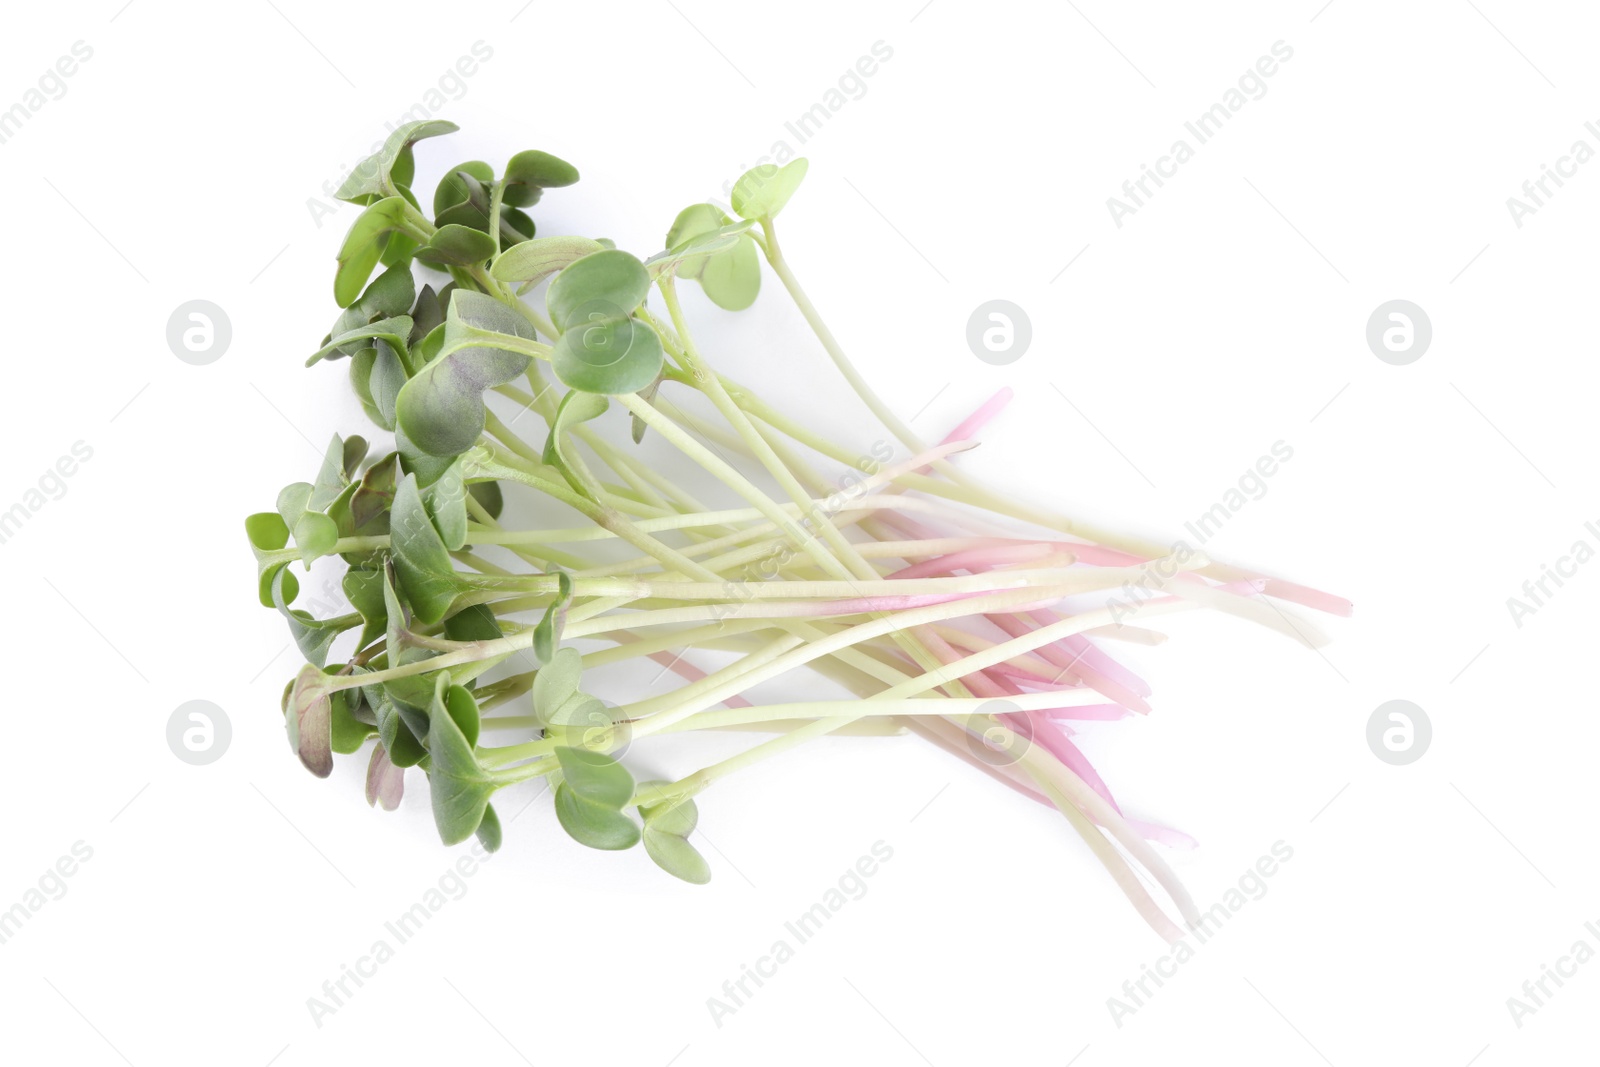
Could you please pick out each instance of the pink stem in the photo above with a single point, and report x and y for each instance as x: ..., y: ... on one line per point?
x: 1061, y: 654
x: 975, y: 422
x: 1033, y: 726
x: 974, y: 559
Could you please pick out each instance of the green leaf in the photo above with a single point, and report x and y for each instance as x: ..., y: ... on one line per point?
x: 584, y: 723
x: 763, y: 191
x: 462, y: 708
x: 308, y: 717
x: 389, y: 296
x: 665, y: 813
x: 466, y: 199
x: 363, y: 586
x: 488, y: 496
x: 268, y: 575
x: 459, y: 785
x: 355, y: 450
x: 361, y: 383
x: 472, y: 210
x: 292, y: 501
x: 426, y: 313
x: 531, y: 262
x: 691, y: 243
x: 411, y: 697
x: 348, y: 732
x: 422, y: 563
x: 489, y: 833
x: 547, y: 633
x: 515, y: 226
x: 331, y: 479
x: 457, y: 245
x: 392, y: 332
x: 530, y: 173
x: 610, y: 282
x: 375, y: 494
x: 575, y: 407
x: 414, y: 694
x: 474, y: 623
x: 608, y: 356
x: 392, y: 164
x: 592, y: 824
x: 362, y: 247
x: 648, y: 395
x: 583, y: 720
x: 414, y: 460
x: 556, y: 681
x: 691, y: 223
x: 452, y: 189
x: 428, y: 349
x: 398, y: 248
x: 267, y: 531
x: 595, y: 776
x: 705, y: 245
x: 394, y: 733
x: 441, y: 408
x: 446, y: 501
x: 673, y: 854
x: 732, y: 279
x: 312, y: 636
x: 603, y: 349
x: 339, y: 512
x: 314, y: 535
x: 667, y: 823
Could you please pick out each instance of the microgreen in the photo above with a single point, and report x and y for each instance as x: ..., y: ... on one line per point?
x: 441, y: 407
x: 481, y: 627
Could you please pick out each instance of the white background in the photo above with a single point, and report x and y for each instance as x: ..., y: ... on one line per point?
x: 1227, y: 314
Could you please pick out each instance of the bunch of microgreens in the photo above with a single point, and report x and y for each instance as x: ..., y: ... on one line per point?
x: 907, y: 590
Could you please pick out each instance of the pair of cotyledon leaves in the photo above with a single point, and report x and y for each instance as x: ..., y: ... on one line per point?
x: 464, y: 213
x: 705, y: 245
x: 590, y: 804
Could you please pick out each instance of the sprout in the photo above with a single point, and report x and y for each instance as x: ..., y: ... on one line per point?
x: 916, y: 597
